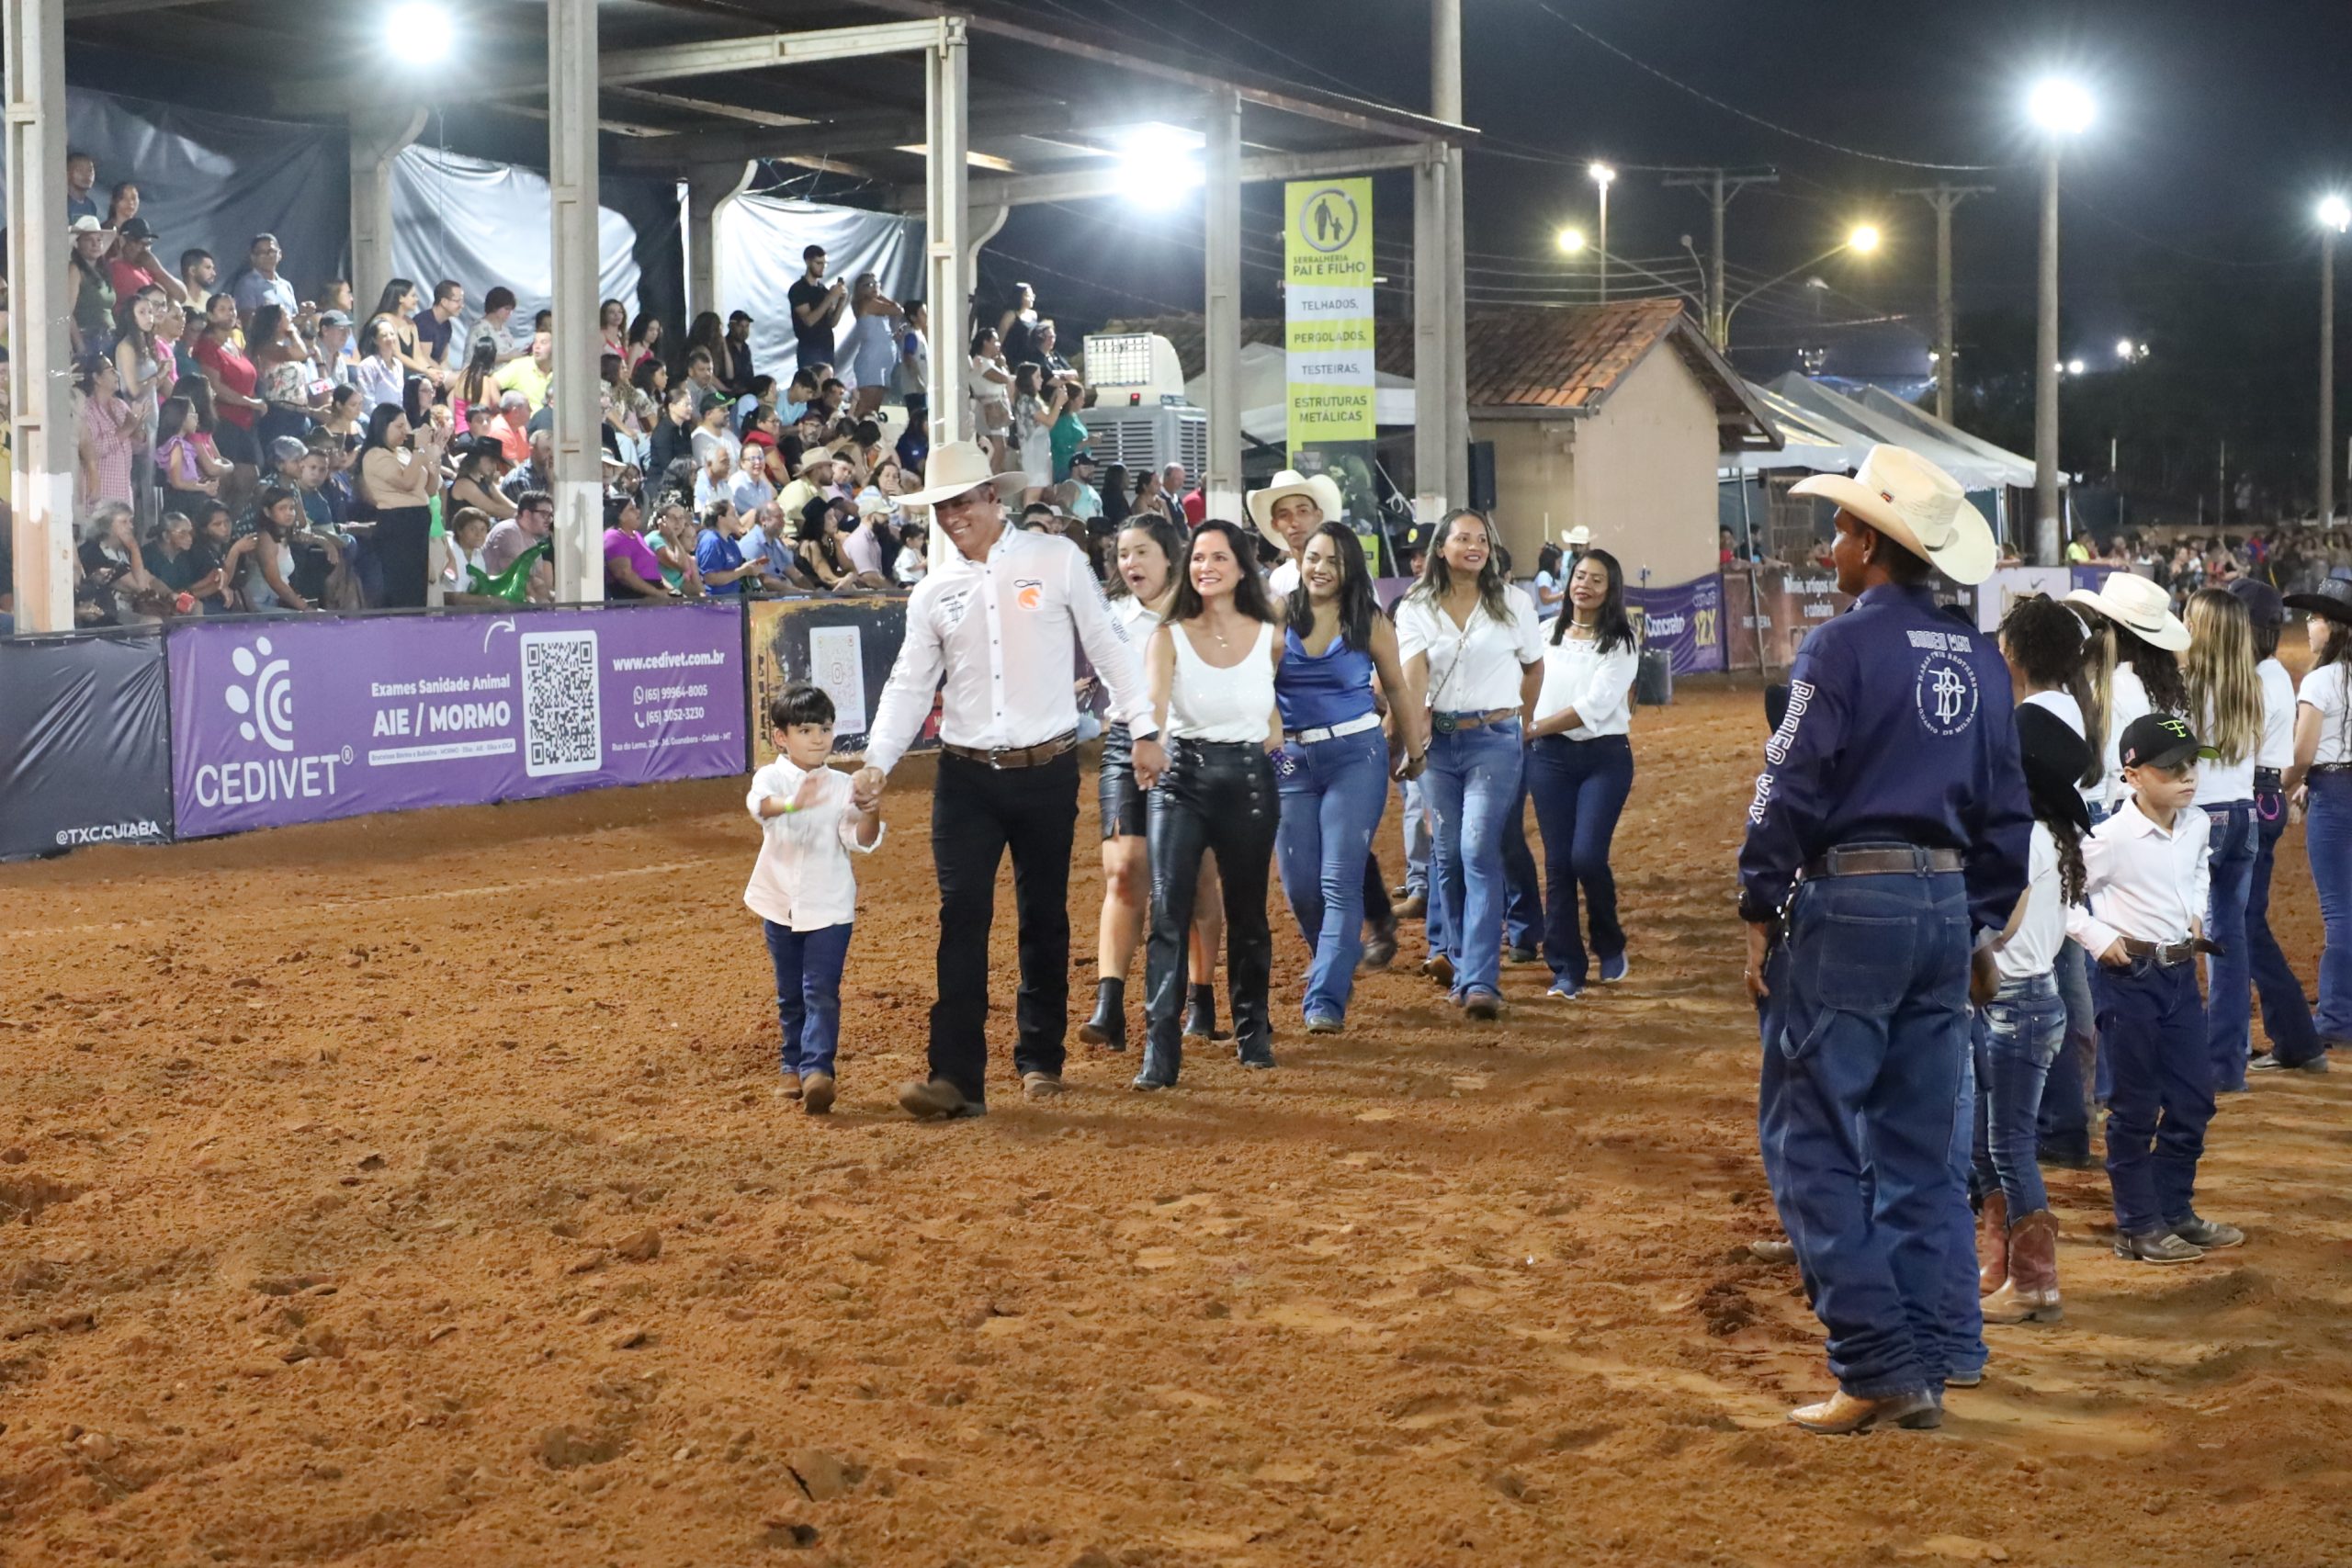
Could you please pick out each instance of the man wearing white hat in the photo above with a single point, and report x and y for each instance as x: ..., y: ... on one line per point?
x: 999, y: 617
x: 1287, y: 512
x: 1891, y: 821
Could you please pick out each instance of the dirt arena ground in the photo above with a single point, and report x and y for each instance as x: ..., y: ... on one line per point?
x: 410, y: 1190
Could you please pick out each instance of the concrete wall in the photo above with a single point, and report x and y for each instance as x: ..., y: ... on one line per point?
x: 1640, y: 474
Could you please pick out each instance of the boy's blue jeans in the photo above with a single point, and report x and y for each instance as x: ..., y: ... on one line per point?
x: 809, y: 992
x: 2152, y: 1028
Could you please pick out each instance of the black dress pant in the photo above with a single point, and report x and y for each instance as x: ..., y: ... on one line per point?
x: 404, y: 546
x: 1214, y: 795
x: 978, y: 812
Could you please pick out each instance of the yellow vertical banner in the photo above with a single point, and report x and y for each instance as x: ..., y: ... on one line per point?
x: 1327, y: 310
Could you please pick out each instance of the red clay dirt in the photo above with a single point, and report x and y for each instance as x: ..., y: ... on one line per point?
x: 410, y: 1190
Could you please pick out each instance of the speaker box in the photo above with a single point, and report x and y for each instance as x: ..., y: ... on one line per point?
x: 1482, y: 476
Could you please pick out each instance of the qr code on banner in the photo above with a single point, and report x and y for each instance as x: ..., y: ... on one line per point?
x: 562, y: 726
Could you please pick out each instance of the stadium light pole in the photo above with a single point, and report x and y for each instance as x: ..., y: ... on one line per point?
x: 2060, y: 108
x: 2335, y: 216
x: 1604, y: 177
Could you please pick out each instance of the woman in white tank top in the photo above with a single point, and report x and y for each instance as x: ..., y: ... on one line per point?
x: 1212, y: 671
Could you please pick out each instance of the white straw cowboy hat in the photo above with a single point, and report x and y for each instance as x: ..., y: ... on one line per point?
x: 1578, y: 539
x: 957, y: 467
x: 2138, y: 607
x: 1918, y: 506
x: 1322, y: 488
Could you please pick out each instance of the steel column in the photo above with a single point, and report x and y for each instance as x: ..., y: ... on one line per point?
x: 41, y: 415
x: 571, y: 166
x: 1222, y: 319
x: 947, y: 106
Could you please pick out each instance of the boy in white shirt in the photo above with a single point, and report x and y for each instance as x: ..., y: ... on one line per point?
x: 2145, y: 883
x: 802, y: 887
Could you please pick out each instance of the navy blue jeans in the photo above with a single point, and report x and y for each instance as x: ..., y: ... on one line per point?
x: 2229, y: 975
x: 2151, y: 1039
x: 809, y: 992
x: 1865, y: 1037
x: 1523, y: 895
x: 1332, y: 792
x: 1471, y: 786
x: 1579, y: 789
x: 2286, y: 1011
x: 2019, y: 1034
x: 2327, y: 840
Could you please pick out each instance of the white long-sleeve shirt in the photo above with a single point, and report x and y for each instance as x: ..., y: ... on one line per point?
x: 2141, y: 881
x: 2278, y: 749
x: 1578, y: 675
x: 2127, y: 699
x: 1004, y: 633
x: 803, y: 879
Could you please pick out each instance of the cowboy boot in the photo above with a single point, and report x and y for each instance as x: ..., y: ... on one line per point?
x: 2031, y: 1294
x: 1163, y: 1056
x: 1108, y: 1027
x: 1992, y: 1243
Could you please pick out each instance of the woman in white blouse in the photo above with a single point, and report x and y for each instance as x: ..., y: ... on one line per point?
x: 2320, y: 782
x: 1581, y: 770
x: 1211, y: 667
x: 1474, y: 657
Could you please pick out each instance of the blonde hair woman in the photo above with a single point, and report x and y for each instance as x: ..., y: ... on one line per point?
x: 2225, y: 709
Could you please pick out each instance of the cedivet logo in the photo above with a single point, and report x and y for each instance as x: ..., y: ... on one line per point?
x: 262, y: 696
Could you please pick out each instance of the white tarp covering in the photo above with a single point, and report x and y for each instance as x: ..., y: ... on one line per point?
x: 1265, y: 408
x: 1973, y: 471
x: 2019, y: 470
x: 760, y: 239
x: 1811, y: 441
x: 482, y: 223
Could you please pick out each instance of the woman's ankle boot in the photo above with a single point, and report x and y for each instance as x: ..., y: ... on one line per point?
x: 1108, y: 1027
x: 1992, y: 1243
x: 1200, y: 1014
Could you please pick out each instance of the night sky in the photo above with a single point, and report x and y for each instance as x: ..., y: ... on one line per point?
x: 2219, y: 126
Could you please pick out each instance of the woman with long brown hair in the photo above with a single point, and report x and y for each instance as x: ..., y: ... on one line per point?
x: 2225, y: 709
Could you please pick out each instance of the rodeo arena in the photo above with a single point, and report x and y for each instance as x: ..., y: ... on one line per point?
x: 701, y: 870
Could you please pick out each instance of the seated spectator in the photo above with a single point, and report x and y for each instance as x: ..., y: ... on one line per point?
x: 1042, y: 353
x: 497, y: 312
x: 531, y: 529
x: 268, y: 584
x: 466, y: 581
x: 717, y: 480
x: 821, y: 547
x: 1086, y: 502
x: 711, y: 429
x: 481, y: 470
x: 259, y: 283
x: 671, y: 438
x: 382, y: 376
x: 476, y: 386
x: 191, y: 566
x: 187, y: 465
x: 114, y: 570
x: 345, y: 419
x: 870, y: 539
x: 673, y: 543
x: 512, y: 428
x: 326, y: 498
x: 766, y: 545
x: 798, y: 393
x: 111, y: 435
x: 530, y: 376
x: 630, y: 570
x: 718, y: 556
x: 134, y: 265
x: 704, y: 380
x: 752, y: 488
x: 335, y: 352
x: 437, y: 326
x: 914, y: 542
x: 536, y: 472
x: 816, y: 480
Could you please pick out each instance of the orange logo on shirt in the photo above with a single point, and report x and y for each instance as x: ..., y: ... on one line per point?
x: 1029, y: 594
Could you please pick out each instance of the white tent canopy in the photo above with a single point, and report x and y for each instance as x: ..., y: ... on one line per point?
x: 1973, y: 470
x: 2017, y: 470
x: 1265, y: 395
x: 1811, y: 440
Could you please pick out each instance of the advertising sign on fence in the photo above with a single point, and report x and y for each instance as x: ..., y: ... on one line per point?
x: 279, y: 722
x: 845, y: 646
x: 1685, y: 621
x: 84, y: 748
x: 1772, y: 610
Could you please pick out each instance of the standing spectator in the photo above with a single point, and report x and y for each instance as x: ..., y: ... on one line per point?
x: 81, y: 183
x: 122, y: 205
x: 1189, y: 505
x: 1068, y: 433
x: 1035, y: 411
x: 915, y: 365
x: 439, y: 326
x: 497, y: 310
x: 1046, y: 358
x: 990, y: 389
x: 397, y: 306
x: 281, y: 364
x: 732, y: 358
x: 2226, y: 707
x: 112, y: 435
x: 135, y: 265
x: 90, y: 295
x: 1117, y: 499
x: 644, y: 342
x: 139, y: 364
x: 399, y: 473
x: 870, y: 349
x: 816, y: 307
x: 234, y: 381
x: 1150, y: 498
x: 189, y: 467
x: 1086, y: 504
x: 259, y: 283
x: 611, y: 325
x: 1020, y: 319
x: 198, y: 273
x: 2320, y: 781
x: 381, y: 378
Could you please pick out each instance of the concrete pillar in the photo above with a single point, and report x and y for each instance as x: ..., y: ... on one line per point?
x: 1457, y: 317
x: 1434, y: 328
x: 947, y: 107
x: 709, y: 186
x: 379, y: 133
x: 571, y: 171
x: 1221, y: 321
x: 41, y: 415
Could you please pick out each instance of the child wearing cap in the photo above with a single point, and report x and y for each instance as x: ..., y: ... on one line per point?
x: 802, y: 887
x: 2146, y: 885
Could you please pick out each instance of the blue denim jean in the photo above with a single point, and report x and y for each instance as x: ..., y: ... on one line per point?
x: 2229, y: 974
x: 2327, y: 840
x: 2019, y: 1034
x: 1955, y: 1343
x: 1471, y: 785
x: 1415, y: 824
x: 2286, y: 1011
x: 1332, y: 795
x: 1859, y: 1114
x: 809, y: 992
x: 1579, y: 789
x: 1523, y: 896
x: 2152, y: 1028
x: 2066, y: 1119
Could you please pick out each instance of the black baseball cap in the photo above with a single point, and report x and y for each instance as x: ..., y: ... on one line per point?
x: 2158, y: 740
x: 2264, y: 606
x: 1081, y: 455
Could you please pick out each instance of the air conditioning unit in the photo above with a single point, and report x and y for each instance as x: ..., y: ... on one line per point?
x: 1131, y: 369
x: 1148, y: 437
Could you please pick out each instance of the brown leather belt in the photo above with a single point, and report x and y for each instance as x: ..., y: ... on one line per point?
x: 2165, y: 953
x: 1885, y: 860
x: 2316, y: 769
x: 1003, y: 758
x: 1475, y: 720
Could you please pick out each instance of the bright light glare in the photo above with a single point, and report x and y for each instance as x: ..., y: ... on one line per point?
x: 421, y: 31
x: 2336, y: 213
x: 1571, y: 241
x: 1864, y: 238
x: 2124, y: 348
x: 2060, y: 106
x: 2074, y: 368
x: 1159, y: 163
x: 1601, y: 173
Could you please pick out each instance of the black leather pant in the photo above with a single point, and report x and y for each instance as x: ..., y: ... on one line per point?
x: 1214, y: 795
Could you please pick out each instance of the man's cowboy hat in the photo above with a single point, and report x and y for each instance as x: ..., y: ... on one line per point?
x: 1322, y: 488
x: 2138, y: 607
x: 1578, y: 539
x: 1918, y: 506
x: 957, y: 467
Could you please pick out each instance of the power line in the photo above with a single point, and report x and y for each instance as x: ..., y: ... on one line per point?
x: 2105, y: 215
x: 1778, y: 130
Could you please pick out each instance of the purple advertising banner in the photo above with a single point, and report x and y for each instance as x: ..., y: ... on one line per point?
x: 1686, y: 620
x: 285, y: 721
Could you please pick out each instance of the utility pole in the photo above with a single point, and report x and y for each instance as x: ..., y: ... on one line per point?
x: 1719, y: 187
x: 1943, y: 198
x: 2049, y: 544
x: 2326, y: 371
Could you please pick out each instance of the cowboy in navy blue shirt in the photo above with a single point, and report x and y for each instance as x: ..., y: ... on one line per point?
x: 1889, y: 828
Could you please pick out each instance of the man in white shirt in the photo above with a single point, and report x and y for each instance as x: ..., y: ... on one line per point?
x: 1000, y: 619
x: 1287, y: 512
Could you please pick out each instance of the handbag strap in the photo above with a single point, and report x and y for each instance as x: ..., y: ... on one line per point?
x: 1460, y: 640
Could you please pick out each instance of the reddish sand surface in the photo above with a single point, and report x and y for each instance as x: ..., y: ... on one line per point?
x: 411, y: 1190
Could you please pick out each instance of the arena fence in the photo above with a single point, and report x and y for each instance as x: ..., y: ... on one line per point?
x: 85, y: 743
